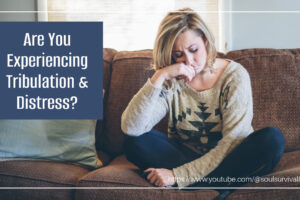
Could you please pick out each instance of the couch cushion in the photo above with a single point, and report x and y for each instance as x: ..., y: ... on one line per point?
x: 39, y: 174
x: 123, y: 174
x: 130, y: 71
x: 108, y: 55
x: 263, y: 194
x: 275, y: 76
x: 275, y: 84
x: 286, y: 174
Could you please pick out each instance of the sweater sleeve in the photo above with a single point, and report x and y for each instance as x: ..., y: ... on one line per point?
x: 237, y: 113
x: 145, y: 109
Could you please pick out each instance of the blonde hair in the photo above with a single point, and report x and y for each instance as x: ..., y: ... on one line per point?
x: 174, y: 24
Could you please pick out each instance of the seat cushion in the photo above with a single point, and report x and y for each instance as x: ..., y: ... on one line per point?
x: 38, y: 174
x: 286, y: 174
x: 122, y: 174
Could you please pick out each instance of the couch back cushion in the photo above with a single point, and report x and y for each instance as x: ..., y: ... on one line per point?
x: 275, y: 79
x: 130, y: 71
x: 108, y: 55
x: 275, y: 84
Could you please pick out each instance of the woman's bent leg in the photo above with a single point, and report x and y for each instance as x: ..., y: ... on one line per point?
x: 257, y: 155
x: 153, y: 150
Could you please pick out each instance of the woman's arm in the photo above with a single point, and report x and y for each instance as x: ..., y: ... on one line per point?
x: 237, y: 113
x: 150, y: 105
x: 144, y: 111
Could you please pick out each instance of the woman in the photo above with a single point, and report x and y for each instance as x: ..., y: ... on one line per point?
x: 209, y: 102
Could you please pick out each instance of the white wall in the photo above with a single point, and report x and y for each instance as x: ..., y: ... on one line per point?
x: 242, y: 30
x: 18, y: 5
x: 262, y: 30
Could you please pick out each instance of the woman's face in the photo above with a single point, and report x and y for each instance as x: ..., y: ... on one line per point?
x: 189, y: 48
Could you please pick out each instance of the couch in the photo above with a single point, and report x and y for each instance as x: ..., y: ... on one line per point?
x: 275, y: 79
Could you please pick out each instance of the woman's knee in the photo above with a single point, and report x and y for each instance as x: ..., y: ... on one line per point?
x: 275, y: 137
x: 142, y: 142
x: 272, y: 140
x: 130, y: 143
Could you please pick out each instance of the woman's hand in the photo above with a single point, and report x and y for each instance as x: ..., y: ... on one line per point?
x: 177, y: 70
x: 160, y: 177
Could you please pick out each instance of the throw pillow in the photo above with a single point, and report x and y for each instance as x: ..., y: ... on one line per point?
x: 57, y: 140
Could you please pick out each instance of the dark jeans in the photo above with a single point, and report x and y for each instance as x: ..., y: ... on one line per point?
x: 257, y: 155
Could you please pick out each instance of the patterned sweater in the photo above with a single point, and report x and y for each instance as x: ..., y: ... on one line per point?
x: 211, y: 122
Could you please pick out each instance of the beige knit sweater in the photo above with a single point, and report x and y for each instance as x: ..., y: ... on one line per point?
x: 211, y: 123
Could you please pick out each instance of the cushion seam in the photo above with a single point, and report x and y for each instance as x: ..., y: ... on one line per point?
x: 35, y: 179
x: 135, y: 58
x: 93, y: 181
x: 259, y: 55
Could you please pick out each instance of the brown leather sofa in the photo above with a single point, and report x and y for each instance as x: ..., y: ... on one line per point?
x: 275, y: 76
